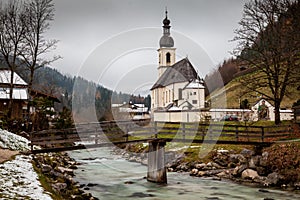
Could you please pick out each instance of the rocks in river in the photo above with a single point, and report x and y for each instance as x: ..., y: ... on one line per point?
x: 58, y: 170
x: 272, y: 179
x: 239, y: 170
x: 249, y: 174
x: 141, y: 195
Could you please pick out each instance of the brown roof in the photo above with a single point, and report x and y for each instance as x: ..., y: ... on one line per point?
x: 181, y: 71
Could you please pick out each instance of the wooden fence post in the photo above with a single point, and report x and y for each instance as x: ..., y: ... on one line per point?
x: 262, y: 133
x: 203, y: 128
x: 155, y: 129
x: 237, y: 133
x: 183, y: 131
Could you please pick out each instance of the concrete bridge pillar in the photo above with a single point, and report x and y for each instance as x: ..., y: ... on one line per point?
x: 156, y: 162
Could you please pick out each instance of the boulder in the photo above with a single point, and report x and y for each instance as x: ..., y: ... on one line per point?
x: 249, y: 174
x: 46, y: 168
x: 237, y: 159
x: 272, y: 179
x: 247, y: 153
x: 65, y: 170
x: 201, y: 173
x: 264, y: 159
x: 59, y: 186
x: 194, y: 172
x: 239, y: 169
x: 254, y: 162
x: 200, y: 165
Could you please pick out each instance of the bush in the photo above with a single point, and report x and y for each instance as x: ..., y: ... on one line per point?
x: 285, y: 160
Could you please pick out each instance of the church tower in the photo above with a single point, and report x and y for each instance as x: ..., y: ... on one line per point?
x: 166, y: 51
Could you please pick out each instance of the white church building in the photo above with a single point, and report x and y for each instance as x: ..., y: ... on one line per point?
x: 179, y: 93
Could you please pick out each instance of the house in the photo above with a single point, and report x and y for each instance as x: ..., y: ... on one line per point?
x: 20, y: 94
x: 130, y: 111
x: 178, y: 88
x: 284, y: 114
x: 252, y: 114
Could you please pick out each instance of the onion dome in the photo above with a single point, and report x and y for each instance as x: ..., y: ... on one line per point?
x: 166, y: 40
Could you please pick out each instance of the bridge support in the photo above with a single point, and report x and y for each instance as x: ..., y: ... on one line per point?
x: 157, y: 171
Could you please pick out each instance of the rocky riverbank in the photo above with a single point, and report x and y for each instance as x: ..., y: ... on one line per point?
x: 57, y: 171
x: 276, y: 166
x: 41, y: 176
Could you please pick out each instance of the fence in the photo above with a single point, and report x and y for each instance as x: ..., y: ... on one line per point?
x: 117, y: 132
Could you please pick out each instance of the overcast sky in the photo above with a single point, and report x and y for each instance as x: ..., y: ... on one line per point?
x: 115, y: 42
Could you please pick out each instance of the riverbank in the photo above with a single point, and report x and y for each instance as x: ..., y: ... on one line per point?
x: 56, y: 172
x: 18, y: 180
x: 41, y: 176
x: 277, y: 166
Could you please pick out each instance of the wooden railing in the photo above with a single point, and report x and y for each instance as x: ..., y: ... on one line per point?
x: 118, y: 132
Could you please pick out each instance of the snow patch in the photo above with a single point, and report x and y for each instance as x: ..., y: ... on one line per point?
x: 18, y: 180
x: 12, y: 141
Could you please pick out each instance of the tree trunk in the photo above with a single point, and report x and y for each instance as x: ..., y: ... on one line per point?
x: 277, y: 112
x: 11, y: 100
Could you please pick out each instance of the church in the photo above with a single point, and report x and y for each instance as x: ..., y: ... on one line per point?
x: 179, y: 93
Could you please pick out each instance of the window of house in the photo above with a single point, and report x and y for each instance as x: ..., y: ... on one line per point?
x: 194, y: 101
x: 195, y: 93
x: 168, y: 57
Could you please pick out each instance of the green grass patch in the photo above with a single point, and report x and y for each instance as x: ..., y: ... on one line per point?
x: 45, y: 182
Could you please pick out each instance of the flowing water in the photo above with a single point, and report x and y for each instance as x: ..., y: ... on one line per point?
x: 110, y: 177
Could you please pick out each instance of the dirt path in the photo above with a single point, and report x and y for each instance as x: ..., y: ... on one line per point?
x: 6, y: 154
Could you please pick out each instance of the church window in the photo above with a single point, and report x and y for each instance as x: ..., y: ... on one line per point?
x: 168, y: 57
x: 180, y: 94
x: 195, y: 93
x: 159, y: 58
x: 194, y: 102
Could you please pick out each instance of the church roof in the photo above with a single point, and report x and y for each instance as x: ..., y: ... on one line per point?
x: 181, y: 71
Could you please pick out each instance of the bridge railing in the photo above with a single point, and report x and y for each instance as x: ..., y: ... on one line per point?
x: 130, y: 131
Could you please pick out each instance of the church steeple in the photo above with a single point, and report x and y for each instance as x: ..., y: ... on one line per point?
x: 166, y: 40
x: 166, y: 50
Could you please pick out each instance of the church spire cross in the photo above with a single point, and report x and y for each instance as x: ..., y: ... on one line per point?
x: 166, y: 12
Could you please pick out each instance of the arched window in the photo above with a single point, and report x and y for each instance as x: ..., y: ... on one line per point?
x: 168, y: 57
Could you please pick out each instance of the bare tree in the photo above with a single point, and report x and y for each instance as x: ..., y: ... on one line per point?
x: 39, y: 14
x: 23, y: 25
x: 268, y: 39
x: 12, y: 29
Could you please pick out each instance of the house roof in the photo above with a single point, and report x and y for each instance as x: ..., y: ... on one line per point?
x: 5, y: 76
x: 195, y: 84
x: 181, y: 71
x: 36, y: 93
x: 260, y: 100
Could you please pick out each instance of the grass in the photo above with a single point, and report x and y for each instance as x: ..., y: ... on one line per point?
x: 234, y: 91
x: 45, y: 182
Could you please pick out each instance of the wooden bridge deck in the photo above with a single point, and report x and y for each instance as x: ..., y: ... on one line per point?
x: 125, y: 132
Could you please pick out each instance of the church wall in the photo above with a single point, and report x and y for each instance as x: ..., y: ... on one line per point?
x: 196, y: 97
x: 180, y: 116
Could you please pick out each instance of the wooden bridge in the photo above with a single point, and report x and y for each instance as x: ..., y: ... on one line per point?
x: 157, y: 134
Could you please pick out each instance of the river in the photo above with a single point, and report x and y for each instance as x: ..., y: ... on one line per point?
x: 110, y: 177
